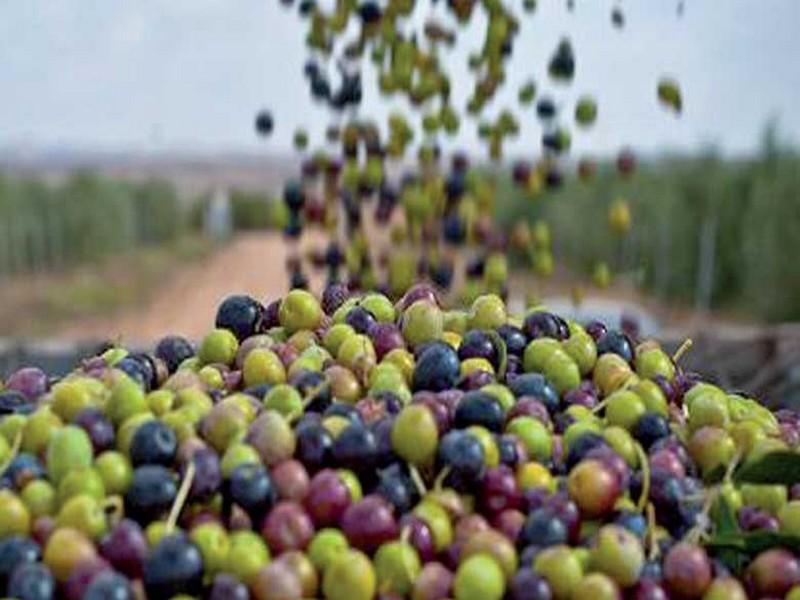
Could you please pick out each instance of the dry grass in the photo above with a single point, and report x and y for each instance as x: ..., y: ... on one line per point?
x: 37, y: 305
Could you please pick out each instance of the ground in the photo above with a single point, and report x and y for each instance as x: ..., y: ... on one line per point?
x: 138, y: 299
x: 185, y: 302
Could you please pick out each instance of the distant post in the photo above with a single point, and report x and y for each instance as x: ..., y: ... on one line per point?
x: 217, y: 218
x: 707, y: 248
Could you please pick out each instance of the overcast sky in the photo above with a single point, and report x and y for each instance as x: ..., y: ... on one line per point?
x: 190, y: 74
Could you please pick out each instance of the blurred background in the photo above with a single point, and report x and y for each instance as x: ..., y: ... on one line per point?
x: 135, y: 194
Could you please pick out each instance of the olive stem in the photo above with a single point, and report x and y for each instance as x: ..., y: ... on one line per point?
x: 631, y: 381
x: 416, y: 478
x: 732, y: 467
x: 405, y: 534
x: 640, y: 505
x: 439, y: 482
x: 359, y: 366
x: 12, y: 453
x: 180, y: 499
x: 114, y: 507
x: 651, y: 531
x: 684, y: 348
x: 309, y: 398
x: 404, y: 537
x: 703, y: 522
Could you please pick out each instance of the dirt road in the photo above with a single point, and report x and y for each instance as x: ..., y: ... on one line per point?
x: 186, y: 303
x: 255, y: 264
x: 738, y: 355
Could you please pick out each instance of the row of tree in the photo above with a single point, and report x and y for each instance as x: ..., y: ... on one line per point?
x: 706, y: 232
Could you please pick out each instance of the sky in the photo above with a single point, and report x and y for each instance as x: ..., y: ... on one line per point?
x: 189, y: 75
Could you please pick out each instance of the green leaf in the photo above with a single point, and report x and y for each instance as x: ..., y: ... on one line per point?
x: 727, y: 541
x: 716, y: 475
x: 776, y: 468
x: 734, y: 560
x: 725, y: 522
x: 727, y: 527
x: 755, y: 542
x: 502, y: 352
x: 758, y: 541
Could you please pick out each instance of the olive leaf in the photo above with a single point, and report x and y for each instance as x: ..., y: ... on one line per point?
x: 502, y: 353
x: 734, y: 559
x: 725, y: 524
x: 754, y: 542
x: 730, y: 545
x: 716, y: 475
x: 758, y: 541
x: 724, y: 518
x: 777, y: 468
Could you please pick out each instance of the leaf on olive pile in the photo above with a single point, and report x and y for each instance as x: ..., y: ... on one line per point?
x: 502, y: 352
x: 775, y: 468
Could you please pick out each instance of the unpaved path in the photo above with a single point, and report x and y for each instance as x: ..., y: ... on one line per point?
x: 186, y: 303
x: 255, y: 264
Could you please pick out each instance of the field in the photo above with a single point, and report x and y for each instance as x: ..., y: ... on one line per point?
x: 139, y: 264
x: 708, y: 233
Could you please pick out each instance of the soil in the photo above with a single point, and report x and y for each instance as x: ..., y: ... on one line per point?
x: 186, y: 303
